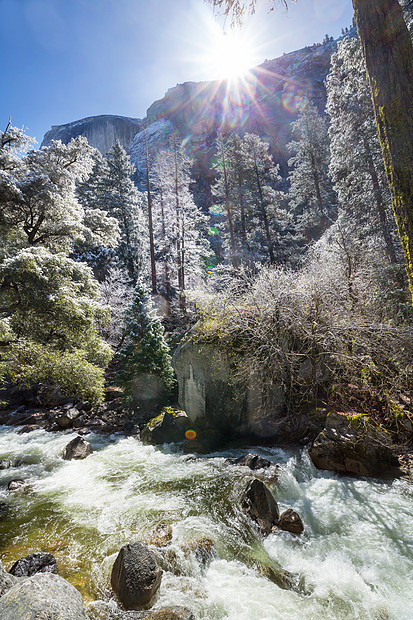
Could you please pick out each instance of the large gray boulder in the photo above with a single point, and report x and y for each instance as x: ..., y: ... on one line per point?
x: 37, y: 562
x: 212, y: 394
x: 259, y: 504
x: 42, y: 597
x: 7, y: 581
x: 136, y: 576
x: 78, y: 448
x: 355, y: 446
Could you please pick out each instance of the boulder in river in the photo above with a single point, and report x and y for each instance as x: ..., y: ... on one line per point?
x: 78, y: 448
x: 259, y: 504
x: 44, y: 596
x: 16, y: 485
x: 169, y: 426
x: 37, y: 562
x: 171, y: 613
x: 7, y: 581
x: 253, y: 461
x: 290, y: 521
x: 353, y: 445
x: 136, y: 576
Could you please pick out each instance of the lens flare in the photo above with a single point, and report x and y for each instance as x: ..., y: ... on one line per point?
x: 190, y: 435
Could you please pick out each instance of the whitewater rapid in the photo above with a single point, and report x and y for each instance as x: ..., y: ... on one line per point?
x: 353, y: 561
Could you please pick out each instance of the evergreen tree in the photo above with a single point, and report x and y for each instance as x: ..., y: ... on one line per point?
x: 146, y: 350
x: 119, y: 197
x: 261, y: 201
x: 311, y: 194
x: 179, y: 225
x: 356, y: 163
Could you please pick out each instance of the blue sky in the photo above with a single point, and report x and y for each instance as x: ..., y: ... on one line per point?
x: 62, y: 60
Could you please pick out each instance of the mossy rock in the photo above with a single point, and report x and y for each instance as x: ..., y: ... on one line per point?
x: 169, y: 426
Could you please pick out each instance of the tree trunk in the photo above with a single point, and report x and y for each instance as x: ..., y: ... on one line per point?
x: 264, y: 216
x: 229, y: 210
x: 388, y: 54
x: 381, y: 209
x: 150, y: 223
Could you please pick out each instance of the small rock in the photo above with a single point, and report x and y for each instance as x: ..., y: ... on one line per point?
x: 28, y: 429
x: 85, y: 406
x: 259, y: 504
x: 5, y: 464
x: 15, y: 485
x: 66, y: 419
x: 136, y: 576
x: 171, y: 613
x: 78, y: 448
x: 290, y: 521
x: 203, y: 549
x: 113, y: 392
x: 253, y: 461
x: 162, y: 535
x: 78, y: 422
x: 37, y: 562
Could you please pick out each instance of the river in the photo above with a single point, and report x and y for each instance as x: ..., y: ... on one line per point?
x: 353, y: 561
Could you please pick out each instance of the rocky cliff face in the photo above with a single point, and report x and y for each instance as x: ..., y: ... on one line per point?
x: 266, y: 103
x: 101, y: 131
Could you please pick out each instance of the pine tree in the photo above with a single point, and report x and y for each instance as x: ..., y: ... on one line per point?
x: 356, y: 163
x: 146, y: 350
x: 179, y: 225
x: 260, y: 176
x: 124, y: 202
x: 311, y: 194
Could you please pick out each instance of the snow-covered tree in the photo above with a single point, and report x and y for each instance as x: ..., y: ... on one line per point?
x: 116, y: 293
x: 179, y: 225
x: 311, y: 194
x: 250, y: 204
x: 49, y: 309
x: 146, y: 350
x: 120, y: 198
x: 38, y: 202
x: 356, y: 166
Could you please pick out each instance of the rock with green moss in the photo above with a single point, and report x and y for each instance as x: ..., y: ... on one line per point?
x: 169, y: 426
x: 355, y: 446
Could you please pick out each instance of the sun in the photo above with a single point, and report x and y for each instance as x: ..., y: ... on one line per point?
x: 230, y: 54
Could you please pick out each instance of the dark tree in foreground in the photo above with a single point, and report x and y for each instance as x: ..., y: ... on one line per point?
x: 388, y: 55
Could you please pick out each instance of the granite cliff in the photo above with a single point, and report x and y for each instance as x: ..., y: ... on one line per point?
x: 101, y: 131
